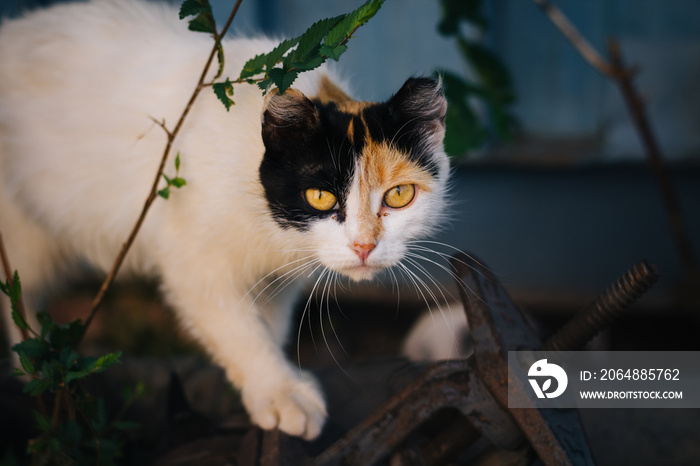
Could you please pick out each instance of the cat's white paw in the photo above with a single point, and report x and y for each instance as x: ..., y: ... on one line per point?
x: 293, y: 404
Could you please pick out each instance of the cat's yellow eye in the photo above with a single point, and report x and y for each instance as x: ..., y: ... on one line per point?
x: 400, y: 196
x: 320, y: 199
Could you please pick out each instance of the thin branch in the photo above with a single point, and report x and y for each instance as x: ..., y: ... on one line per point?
x: 616, y: 70
x: 154, y: 188
x: 635, y: 104
x: 569, y: 31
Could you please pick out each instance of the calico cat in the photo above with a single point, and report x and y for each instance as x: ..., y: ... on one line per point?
x: 278, y: 188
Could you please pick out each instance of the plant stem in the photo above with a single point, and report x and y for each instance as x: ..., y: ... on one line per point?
x: 569, y: 31
x: 96, y: 303
x: 615, y: 70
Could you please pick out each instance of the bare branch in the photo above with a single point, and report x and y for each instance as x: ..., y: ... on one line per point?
x: 569, y: 31
x: 615, y: 69
x: 96, y: 303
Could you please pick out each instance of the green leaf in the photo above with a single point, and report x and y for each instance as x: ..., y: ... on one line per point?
x: 177, y: 161
x: 16, y: 288
x: 33, y: 348
x: 464, y: 131
x: 254, y: 66
x: 67, y: 335
x: 342, y: 31
x: 265, y: 85
x: 191, y: 8
x: 333, y: 52
x: 107, y: 360
x: 179, y: 182
x: 308, y: 65
x: 202, y: 23
x: 272, y: 58
x: 164, y: 193
x: 283, y: 79
x: 68, y: 357
x: 43, y: 423
x: 494, y: 76
x: 19, y: 321
x: 46, y: 322
x: 37, y: 387
x: 26, y: 363
x: 75, y: 375
x: 310, y: 40
x: 223, y: 91
x: 129, y: 394
x: 203, y: 20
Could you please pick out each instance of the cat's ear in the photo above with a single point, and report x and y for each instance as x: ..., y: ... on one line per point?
x: 328, y: 91
x: 287, y: 116
x: 420, y: 100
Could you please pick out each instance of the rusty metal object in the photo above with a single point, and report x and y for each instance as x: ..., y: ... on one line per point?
x: 497, y: 326
x: 447, y: 384
x: 606, y: 307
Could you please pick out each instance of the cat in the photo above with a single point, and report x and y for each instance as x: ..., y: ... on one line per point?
x: 279, y: 187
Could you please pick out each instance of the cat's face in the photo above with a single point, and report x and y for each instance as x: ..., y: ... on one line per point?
x: 360, y: 179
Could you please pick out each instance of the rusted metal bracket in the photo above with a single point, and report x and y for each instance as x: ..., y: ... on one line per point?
x: 497, y: 326
x: 447, y: 384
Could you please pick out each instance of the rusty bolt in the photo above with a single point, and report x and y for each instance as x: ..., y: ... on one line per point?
x: 606, y: 307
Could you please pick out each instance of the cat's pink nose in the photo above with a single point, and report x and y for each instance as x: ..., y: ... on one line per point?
x: 362, y: 249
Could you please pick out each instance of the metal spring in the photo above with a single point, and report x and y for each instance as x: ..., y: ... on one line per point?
x: 606, y: 307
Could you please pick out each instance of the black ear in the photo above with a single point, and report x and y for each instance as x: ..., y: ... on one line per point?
x: 420, y: 99
x: 288, y: 116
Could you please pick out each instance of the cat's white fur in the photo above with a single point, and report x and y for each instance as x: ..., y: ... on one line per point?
x: 79, y: 84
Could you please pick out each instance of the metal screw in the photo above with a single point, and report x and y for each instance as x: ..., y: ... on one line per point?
x: 606, y: 307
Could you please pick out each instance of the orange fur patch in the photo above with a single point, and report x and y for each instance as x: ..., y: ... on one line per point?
x: 381, y: 168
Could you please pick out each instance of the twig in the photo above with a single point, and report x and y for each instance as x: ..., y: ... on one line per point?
x: 615, y: 70
x: 154, y: 188
x: 562, y: 23
x: 636, y: 107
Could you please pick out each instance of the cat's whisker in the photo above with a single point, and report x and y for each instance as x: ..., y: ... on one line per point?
x: 250, y: 290
x: 307, y: 312
x: 326, y: 288
x: 441, y: 288
x: 411, y: 276
x: 448, y: 246
x: 447, y: 318
x: 448, y: 322
x: 336, y: 281
x: 395, y: 282
x: 290, y: 277
x: 424, y: 284
x: 290, y: 273
x: 449, y: 270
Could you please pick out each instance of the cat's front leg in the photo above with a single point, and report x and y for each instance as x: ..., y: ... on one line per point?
x: 275, y: 393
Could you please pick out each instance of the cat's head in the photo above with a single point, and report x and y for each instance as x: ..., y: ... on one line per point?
x: 360, y: 179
